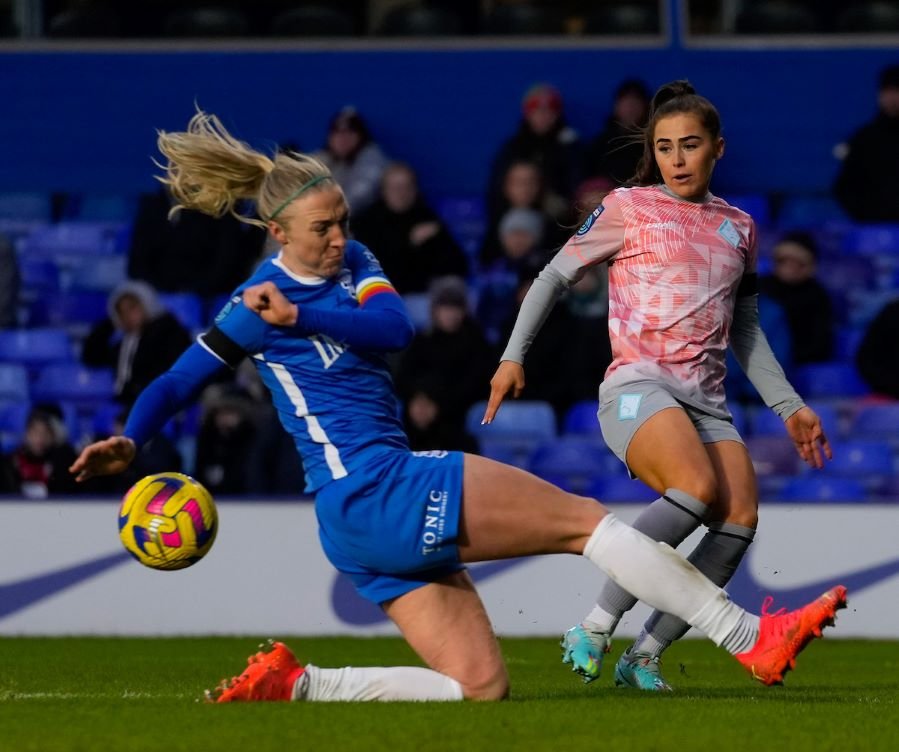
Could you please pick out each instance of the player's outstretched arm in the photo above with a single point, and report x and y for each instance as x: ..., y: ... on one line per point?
x: 509, y: 377
x: 106, y: 457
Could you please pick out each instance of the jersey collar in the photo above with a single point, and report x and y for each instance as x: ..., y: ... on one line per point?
x: 303, y: 279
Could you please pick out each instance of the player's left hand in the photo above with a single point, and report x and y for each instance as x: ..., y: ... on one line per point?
x: 105, y: 457
x: 271, y: 304
x: 804, y: 427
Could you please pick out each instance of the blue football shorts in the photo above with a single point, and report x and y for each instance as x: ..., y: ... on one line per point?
x: 393, y: 527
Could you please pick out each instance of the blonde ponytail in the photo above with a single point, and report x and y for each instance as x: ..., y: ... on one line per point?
x: 210, y: 171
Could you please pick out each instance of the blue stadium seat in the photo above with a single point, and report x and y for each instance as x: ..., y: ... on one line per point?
x: 573, y: 462
x: 95, y: 207
x: 773, y: 455
x: 765, y: 422
x: 508, y: 452
x: 73, y: 383
x: 21, y: 213
x: 581, y: 418
x: 187, y: 308
x: 103, y: 418
x: 815, y: 487
x: 13, y: 416
x: 848, y: 338
x: 800, y: 212
x: 521, y: 425
x: 616, y: 489
x: 34, y: 347
x: 74, y: 310
x: 872, y: 240
x: 877, y: 422
x: 72, y: 238
x: 101, y: 273
x: 13, y: 382
x: 869, y: 462
x: 833, y: 379
x: 39, y: 276
x: 514, y: 419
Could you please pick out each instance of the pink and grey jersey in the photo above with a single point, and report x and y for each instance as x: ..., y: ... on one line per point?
x: 674, y: 270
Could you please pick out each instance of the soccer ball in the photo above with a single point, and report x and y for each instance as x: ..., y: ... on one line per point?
x: 168, y: 521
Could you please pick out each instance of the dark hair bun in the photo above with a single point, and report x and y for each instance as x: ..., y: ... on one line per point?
x: 671, y: 91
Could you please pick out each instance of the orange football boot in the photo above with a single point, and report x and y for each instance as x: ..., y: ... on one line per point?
x: 783, y: 636
x: 270, y: 676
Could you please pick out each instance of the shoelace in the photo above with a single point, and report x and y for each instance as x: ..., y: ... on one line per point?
x: 767, y: 603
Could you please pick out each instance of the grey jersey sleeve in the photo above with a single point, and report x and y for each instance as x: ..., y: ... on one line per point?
x: 536, y: 306
x: 753, y: 353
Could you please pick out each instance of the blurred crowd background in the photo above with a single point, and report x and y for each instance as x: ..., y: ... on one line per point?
x: 100, y: 291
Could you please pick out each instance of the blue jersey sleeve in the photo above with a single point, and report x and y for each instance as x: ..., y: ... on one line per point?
x: 381, y: 323
x: 171, y: 392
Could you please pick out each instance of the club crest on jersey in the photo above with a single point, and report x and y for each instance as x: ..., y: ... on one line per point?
x: 226, y: 309
x: 727, y: 231
x: 588, y: 223
x: 346, y: 282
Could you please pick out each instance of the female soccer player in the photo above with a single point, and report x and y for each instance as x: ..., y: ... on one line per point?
x: 316, y: 319
x: 682, y: 286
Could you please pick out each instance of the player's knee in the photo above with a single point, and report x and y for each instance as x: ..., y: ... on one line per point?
x: 700, y: 485
x: 746, y: 515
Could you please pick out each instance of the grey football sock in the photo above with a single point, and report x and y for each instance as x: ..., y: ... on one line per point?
x: 717, y: 556
x: 670, y: 520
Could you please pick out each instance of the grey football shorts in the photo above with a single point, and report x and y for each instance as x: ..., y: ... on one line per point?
x: 624, y: 409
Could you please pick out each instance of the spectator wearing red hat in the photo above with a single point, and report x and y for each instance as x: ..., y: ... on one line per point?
x: 544, y: 138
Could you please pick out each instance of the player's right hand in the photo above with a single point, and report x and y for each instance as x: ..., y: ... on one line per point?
x: 509, y: 377
x: 271, y: 304
x: 106, y: 457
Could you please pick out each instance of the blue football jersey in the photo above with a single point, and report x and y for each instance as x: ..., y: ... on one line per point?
x: 336, y: 401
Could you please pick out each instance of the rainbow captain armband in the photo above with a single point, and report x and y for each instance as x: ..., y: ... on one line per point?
x: 371, y: 286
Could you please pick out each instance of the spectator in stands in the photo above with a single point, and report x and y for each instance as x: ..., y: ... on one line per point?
x: 139, y: 339
x: 40, y: 466
x: 552, y: 353
x: 174, y: 254
x: 427, y: 427
x: 805, y: 301
x: 454, y: 355
x: 877, y: 357
x: 354, y: 159
x: 9, y: 284
x: 414, y: 245
x: 543, y: 137
x: 866, y: 184
x: 615, y: 151
x: 523, y: 188
x: 226, y: 438
x: 520, y: 232
x: 588, y: 303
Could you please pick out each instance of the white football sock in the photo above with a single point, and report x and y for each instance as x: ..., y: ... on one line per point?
x: 601, y: 620
x: 375, y: 683
x: 660, y: 577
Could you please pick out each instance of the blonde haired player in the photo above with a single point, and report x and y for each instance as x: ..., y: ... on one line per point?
x: 316, y: 319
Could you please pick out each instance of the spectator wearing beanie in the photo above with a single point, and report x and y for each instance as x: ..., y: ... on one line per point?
x: 805, y: 301
x: 544, y: 138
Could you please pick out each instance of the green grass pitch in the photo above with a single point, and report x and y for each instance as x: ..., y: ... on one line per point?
x: 141, y: 694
